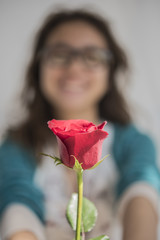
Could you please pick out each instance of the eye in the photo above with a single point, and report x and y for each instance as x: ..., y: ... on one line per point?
x: 92, y: 57
x: 96, y: 56
x: 56, y: 56
x: 59, y: 56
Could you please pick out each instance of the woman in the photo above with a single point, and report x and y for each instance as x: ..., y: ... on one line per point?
x: 73, y: 75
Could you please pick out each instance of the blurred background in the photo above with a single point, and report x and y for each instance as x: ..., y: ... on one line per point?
x: 134, y: 22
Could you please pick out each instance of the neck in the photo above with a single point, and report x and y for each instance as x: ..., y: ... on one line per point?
x: 89, y: 114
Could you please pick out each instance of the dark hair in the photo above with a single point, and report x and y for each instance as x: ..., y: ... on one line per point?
x: 34, y: 131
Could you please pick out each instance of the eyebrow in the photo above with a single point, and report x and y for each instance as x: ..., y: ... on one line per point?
x: 59, y: 44
x: 65, y: 45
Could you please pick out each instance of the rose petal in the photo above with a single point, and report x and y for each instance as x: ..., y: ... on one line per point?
x: 64, y: 156
x: 64, y: 129
x: 101, y: 126
x: 80, y: 145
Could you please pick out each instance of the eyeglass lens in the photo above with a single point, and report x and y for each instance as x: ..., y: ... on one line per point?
x: 63, y: 56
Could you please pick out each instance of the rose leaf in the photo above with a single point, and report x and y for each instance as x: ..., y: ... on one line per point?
x: 89, y: 213
x: 102, y: 237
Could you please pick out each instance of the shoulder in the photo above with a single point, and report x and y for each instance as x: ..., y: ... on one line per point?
x: 130, y: 140
x: 13, y: 154
x: 129, y: 132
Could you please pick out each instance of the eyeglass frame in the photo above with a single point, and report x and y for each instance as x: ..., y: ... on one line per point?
x: 77, y: 52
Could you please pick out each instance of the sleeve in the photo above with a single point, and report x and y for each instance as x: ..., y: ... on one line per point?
x: 17, y: 167
x: 138, y: 171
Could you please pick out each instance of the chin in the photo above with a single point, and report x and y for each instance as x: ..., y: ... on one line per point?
x: 72, y: 108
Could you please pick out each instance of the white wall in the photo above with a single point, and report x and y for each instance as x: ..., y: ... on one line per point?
x: 136, y: 24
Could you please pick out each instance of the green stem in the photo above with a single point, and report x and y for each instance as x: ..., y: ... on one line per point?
x: 79, y: 206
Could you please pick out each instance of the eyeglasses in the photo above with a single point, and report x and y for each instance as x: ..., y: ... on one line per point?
x: 91, y: 57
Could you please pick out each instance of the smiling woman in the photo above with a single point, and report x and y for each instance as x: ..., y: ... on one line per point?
x: 75, y: 86
x: 73, y: 74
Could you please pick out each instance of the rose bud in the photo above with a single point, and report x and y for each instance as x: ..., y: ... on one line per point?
x: 79, y: 139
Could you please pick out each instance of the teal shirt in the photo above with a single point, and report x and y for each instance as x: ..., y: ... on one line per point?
x: 17, y: 168
x: 135, y: 157
x: 134, y: 154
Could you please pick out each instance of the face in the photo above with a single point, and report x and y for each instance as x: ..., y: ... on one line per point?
x: 74, y: 87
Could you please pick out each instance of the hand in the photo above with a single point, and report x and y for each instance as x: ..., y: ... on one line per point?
x: 25, y: 235
x: 140, y: 220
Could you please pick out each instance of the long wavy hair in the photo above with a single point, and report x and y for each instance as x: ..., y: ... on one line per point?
x: 33, y: 132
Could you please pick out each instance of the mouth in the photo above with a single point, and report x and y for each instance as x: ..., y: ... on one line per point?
x: 73, y: 88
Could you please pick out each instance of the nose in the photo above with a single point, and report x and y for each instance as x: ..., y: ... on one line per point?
x: 76, y: 62
x: 75, y: 68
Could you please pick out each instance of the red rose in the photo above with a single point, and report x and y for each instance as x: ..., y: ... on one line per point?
x: 79, y: 138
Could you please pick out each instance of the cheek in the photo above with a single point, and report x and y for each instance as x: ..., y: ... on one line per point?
x: 102, y: 82
x: 48, y: 81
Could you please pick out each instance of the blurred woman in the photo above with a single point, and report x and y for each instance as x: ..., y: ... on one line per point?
x: 73, y: 74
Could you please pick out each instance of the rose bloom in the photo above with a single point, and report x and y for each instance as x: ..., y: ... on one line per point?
x: 79, y: 138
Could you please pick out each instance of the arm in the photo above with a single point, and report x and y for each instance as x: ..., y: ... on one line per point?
x: 21, y: 202
x: 20, y: 221
x: 138, y: 185
x: 140, y: 220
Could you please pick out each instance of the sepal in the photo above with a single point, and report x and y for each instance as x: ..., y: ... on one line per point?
x: 57, y: 160
x: 98, y: 162
x: 77, y: 166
